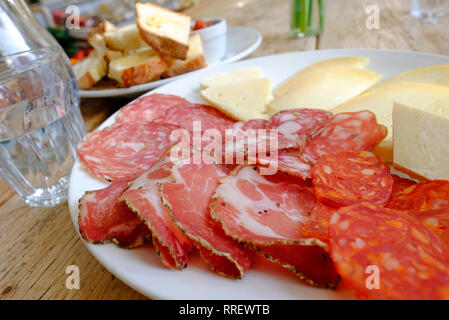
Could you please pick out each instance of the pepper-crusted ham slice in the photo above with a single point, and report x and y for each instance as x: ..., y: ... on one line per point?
x: 352, y: 131
x: 349, y: 177
x: 124, y: 150
x: 410, y: 261
x: 268, y: 212
x: 102, y: 219
x: 187, y: 198
x: 149, y: 107
x: 295, y: 125
x: 143, y: 197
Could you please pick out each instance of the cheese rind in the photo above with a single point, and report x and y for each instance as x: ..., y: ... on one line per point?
x: 229, y: 77
x: 380, y: 101
x: 326, y: 89
x: 434, y: 74
x: 421, y: 142
x: 243, y: 100
x: 295, y: 81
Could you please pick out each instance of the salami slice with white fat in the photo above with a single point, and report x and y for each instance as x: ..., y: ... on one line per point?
x: 124, y: 150
x: 254, y: 124
x: 187, y: 198
x: 353, y: 131
x: 150, y: 107
x: 103, y: 219
x: 295, y: 125
x: 265, y: 211
x: 143, y: 197
x: 387, y: 254
x: 349, y: 177
x: 289, y: 161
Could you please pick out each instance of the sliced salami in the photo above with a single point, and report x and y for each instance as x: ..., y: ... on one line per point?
x: 387, y: 254
x: 254, y: 124
x: 349, y: 177
x: 295, y: 125
x: 265, y: 212
x: 206, y: 116
x: 317, y: 224
x: 187, y: 198
x: 102, y: 219
x: 289, y: 161
x: 124, y: 150
x: 436, y: 220
x: 143, y: 197
x: 354, y: 131
x: 422, y: 196
x: 150, y: 107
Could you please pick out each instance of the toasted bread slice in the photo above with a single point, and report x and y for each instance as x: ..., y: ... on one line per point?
x: 90, y: 70
x: 164, y: 30
x: 100, y: 29
x: 125, y: 38
x: 98, y: 42
x: 195, y: 59
x: 138, y: 68
x: 112, y: 55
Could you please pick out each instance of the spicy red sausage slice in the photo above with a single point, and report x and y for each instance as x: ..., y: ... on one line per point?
x: 353, y: 131
x: 103, y: 219
x: 349, y: 177
x: 387, y: 254
x: 124, y: 150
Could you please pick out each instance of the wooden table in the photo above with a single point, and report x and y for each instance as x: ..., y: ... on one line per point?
x: 37, y: 244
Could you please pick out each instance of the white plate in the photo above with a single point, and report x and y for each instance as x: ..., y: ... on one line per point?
x: 141, y: 268
x: 240, y: 43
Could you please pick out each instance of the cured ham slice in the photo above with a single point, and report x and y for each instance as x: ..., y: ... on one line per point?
x: 150, y: 107
x: 372, y: 245
x: 187, y: 198
x: 102, y: 219
x: 266, y: 211
x: 289, y: 161
x: 143, y: 197
x: 295, y: 125
x: 353, y: 131
x: 124, y: 150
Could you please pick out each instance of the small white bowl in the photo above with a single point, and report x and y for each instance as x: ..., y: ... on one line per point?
x: 214, y: 39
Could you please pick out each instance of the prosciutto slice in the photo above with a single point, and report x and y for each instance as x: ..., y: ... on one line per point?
x: 267, y: 213
x: 144, y: 199
x: 187, y: 198
x: 102, y: 219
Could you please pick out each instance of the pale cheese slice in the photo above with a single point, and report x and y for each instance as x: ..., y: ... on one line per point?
x: 380, y: 101
x: 421, y: 142
x: 326, y: 89
x: 243, y: 100
x: 229, y: 77
x: 434, y: 74
x: 295, y: 81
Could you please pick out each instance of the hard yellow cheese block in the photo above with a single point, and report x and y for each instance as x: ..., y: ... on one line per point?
x: 295, y: 81
x: 242, y: 100
x: 229, y: 77
x: 326, y: 89
x: 380, y: 101
x: 434, y: 74
x: 421, y: 141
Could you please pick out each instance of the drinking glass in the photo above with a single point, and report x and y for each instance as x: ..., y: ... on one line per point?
x: 40, y: 119
x: 307, y: 18
x: 429, y: 10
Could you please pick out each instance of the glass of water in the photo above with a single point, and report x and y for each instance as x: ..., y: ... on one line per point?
x: 40, y: 124
x: 430, y: 11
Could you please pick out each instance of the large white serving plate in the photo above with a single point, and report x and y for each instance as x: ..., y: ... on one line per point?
x: 240, y: 43
x: 141, y: 269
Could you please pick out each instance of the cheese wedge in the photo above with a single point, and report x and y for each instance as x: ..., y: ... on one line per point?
x: 164, y: 30
x: 125, y: 38
x: 90, y: 70
x: 141, y: 67
x: 243, y: 100
x: 233, y: 76
x: 195, y: 59
x: 421, y: 142
x: 433, y: 74
x: 326, y: 89
x: 295, y: 81
x: 380, y: 101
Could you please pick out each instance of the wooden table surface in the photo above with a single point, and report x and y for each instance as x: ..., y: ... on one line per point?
x: 37, y: 244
